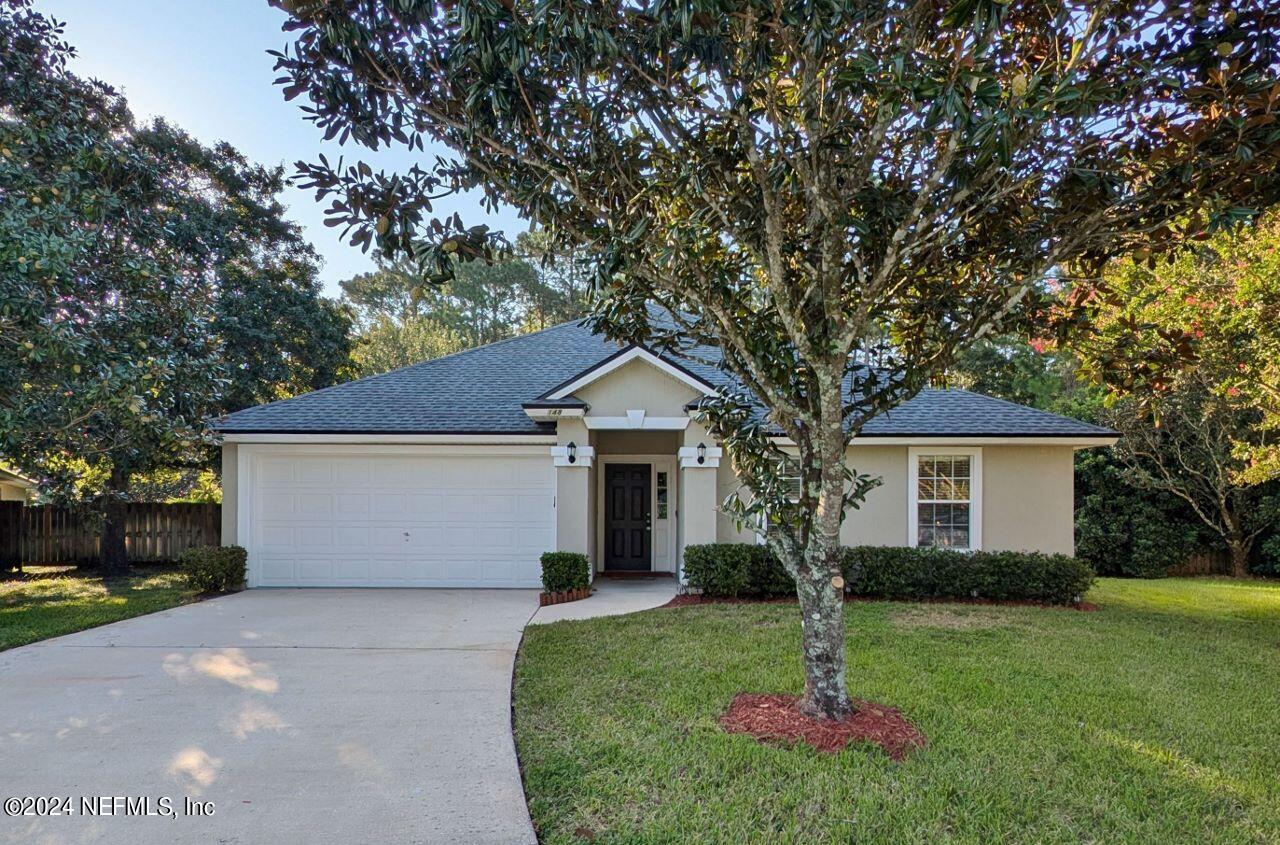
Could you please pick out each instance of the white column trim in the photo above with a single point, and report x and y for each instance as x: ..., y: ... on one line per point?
x: 560, y: 457
x: 689, y: 457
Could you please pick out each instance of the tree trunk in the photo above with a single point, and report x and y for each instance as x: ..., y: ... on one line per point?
x: 819, y: 578
x: 821, y: 599
x: 1239, y: 556
x: 1237, y: 542
x: 114, y: 560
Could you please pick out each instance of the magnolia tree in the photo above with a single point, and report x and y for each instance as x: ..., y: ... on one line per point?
x: 810, y: 187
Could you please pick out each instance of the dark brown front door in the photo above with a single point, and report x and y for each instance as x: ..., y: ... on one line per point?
x: 627, y: 498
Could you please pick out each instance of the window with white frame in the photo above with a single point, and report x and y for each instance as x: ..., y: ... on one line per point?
x: 789, y: 472
x: 945, y: 500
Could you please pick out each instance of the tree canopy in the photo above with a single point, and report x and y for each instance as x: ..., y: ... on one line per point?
x: 1211, y: 316
x: 147, y: 281
x: 812, y: 187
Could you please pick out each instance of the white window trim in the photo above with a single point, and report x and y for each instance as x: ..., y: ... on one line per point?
x: 974, y: 453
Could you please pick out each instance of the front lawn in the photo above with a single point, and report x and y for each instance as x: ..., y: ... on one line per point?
x: 51, y: 601
x: 1154, y: 719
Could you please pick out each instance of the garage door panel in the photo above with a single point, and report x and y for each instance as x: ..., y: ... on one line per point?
x: 314, y: 569
x: 352, y: 504
x: 316, y: 537
x: 315, y: 504
x: 399, y: 520
x: 315, y: 472
x: 278, y: 471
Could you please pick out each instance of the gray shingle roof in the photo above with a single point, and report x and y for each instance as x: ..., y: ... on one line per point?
x: 481, y: 391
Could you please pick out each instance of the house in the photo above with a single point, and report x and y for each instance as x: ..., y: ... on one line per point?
x: 461, y: 471
x: 15, y: 487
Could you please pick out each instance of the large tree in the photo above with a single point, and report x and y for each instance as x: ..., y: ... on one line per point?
x: 1189, y: 448
x: 387, y: 344
x: 146, y: 282
x: 1212, y: 312
x: 810, y: 186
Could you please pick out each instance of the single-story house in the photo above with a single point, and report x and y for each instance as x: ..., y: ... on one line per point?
x: 15, y: 487
x: 461, y: 471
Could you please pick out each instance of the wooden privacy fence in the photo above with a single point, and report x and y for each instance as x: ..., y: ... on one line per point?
x: 47, y: 535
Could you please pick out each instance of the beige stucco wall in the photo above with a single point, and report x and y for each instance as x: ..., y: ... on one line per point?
x: 882, y: 518
x: 636, y: 442
x: 637, y: 386
x: 699, y: 504
x: 1028, y: 501
x: 230, y: 474
x: 12, y: 493
x: 728, y: 483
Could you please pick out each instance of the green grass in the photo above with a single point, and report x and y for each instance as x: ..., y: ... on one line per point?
x: 51, y: 601
x: 1153, y: 720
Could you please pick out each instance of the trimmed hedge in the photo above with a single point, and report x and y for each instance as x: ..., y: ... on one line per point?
x: 564, y: 571
x: 920, y: 573
x: 737, y: 569
x: 214, y: 569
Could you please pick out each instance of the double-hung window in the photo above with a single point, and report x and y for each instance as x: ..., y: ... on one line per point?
x: 946, y: 498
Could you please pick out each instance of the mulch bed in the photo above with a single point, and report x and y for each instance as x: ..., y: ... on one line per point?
x: 776, y: 718
x: 690, y: 600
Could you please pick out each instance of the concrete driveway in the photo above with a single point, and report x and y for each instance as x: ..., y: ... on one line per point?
x: 314, y: 716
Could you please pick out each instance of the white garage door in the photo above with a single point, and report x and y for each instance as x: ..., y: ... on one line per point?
x: 397, y: 519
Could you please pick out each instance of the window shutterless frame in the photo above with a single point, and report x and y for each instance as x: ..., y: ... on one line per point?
x: 974, y: 454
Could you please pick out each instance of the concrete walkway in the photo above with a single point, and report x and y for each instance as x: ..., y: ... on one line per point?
x: 302, y: 716
x: 612, y: 597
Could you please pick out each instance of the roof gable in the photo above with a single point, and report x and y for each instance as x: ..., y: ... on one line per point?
x: 620, y: 359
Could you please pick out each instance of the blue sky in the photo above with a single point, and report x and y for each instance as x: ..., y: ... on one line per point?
x: 203, y: 65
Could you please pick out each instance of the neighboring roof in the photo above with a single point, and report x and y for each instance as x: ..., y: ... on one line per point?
x: 9, y: 476
x: 485, y: 390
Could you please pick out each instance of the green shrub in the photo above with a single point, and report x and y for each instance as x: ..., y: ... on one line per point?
x: 564, y: 571
x: 214, y: 569
x: 918, y: 573
x: 736, y: 569
x: 891, y: 572
x: 1268, y: 564
x: 1123, y: 530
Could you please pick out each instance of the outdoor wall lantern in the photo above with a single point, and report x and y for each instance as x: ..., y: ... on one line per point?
x: 702, y: 453
x: 572, y: 449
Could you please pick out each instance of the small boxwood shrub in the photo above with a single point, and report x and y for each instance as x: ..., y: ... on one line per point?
x: 741, y: 569
x: 564, y: 571
x: 736, y: 569
x: 214, y: 569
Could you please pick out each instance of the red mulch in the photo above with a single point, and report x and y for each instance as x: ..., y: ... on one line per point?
x: 777, y: 718
x: 690, y: 600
